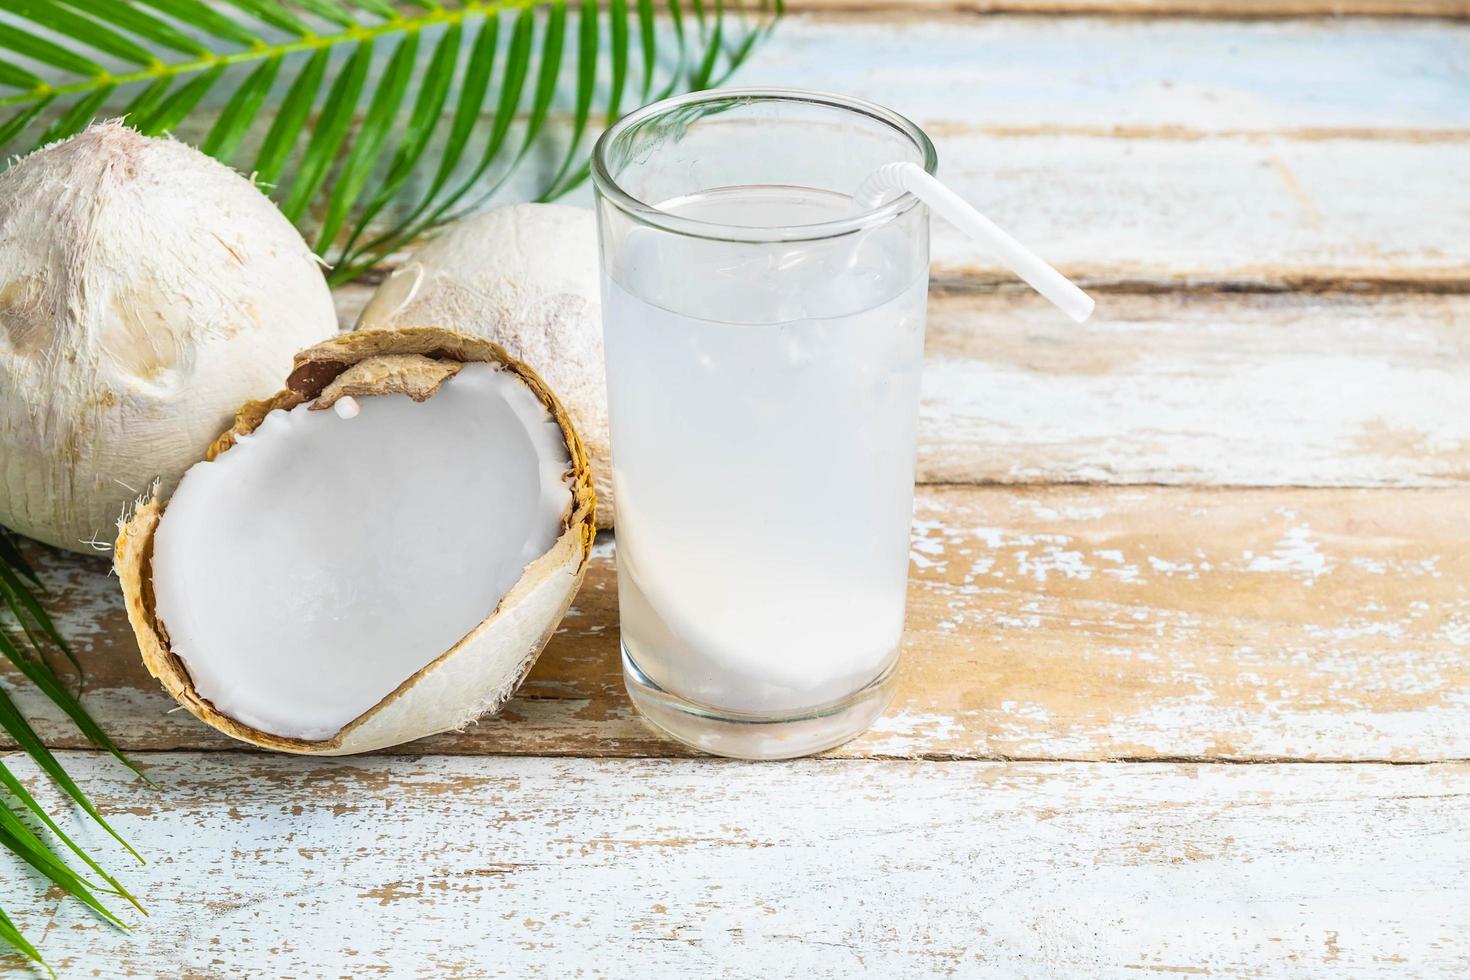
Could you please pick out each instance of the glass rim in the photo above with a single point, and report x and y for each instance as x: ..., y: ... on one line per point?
x: 648, y: 214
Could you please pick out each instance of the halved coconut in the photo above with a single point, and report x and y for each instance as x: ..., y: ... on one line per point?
x: 377, y: 553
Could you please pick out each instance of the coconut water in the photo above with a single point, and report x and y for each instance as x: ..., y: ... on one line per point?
x: 763, y: 404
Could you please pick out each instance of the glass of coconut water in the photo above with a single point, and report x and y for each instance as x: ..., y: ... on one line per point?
x: 764, y: 337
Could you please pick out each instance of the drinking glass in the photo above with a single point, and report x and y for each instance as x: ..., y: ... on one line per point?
x: 764, y: 338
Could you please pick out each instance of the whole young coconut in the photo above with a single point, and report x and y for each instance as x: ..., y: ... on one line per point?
x: 526, y: 277
x: 145, y: 292
x: 377, y: 553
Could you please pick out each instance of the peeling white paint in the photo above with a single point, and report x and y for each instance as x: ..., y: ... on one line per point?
x: 1053, y: 560
x: 1297, y: 553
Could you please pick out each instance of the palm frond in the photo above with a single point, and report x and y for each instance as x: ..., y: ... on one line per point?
x: 369, y: 122
x: 16, y: 837
x: 26, y: 653
x: 17, y: 789
x: 13, y: 723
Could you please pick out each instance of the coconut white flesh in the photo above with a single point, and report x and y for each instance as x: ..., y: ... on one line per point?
x: 306, y: 573
x: 527, y: 277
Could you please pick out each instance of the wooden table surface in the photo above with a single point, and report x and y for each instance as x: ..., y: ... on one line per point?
x: 1186, y: 683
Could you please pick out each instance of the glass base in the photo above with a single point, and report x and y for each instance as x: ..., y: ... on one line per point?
x: 745, y: 736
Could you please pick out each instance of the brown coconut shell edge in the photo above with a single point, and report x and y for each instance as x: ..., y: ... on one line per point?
x: 314, y: 370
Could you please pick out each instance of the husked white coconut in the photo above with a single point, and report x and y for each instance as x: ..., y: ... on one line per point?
x: 145, y: 292
x: 376, y: 555
x: 526, y: 277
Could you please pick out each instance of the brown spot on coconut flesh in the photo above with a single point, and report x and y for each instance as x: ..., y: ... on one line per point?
x: 24, y: 323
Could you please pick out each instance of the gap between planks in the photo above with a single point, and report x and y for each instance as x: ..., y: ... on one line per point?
x: 676, y: 753
x: 1326, y: 283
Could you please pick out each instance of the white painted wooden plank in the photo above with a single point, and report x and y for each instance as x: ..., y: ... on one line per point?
x: 437, y: 866
x: 1139, y: 74
x: 1306, y: 390
x: 1190, y: 76
x: 1230, y: 211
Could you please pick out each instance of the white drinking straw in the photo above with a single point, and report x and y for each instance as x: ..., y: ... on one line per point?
x: 1018, y: 258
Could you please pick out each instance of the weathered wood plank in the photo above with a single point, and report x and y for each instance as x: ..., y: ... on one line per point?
x: 1310, y: 390
x: 1135, y: 75
x: 1208, y: 389
x: 441, y: 866
x: 1232, y: 212
x: 1044, y: 623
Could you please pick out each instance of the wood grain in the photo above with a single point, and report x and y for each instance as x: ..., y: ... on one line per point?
x: 1225, y: 213
x: 1309, y: 390
x: 434, y: 866
x: 1044, y: 623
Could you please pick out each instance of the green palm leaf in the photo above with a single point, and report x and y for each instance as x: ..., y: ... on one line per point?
x: 27, y: 656
x: 19, y: 792
x: 15, y: 725
x: 587, y: 48
x: 366, y: 120
x: 330, y: 130
x: 233, y: 123
x: 15, y: 836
